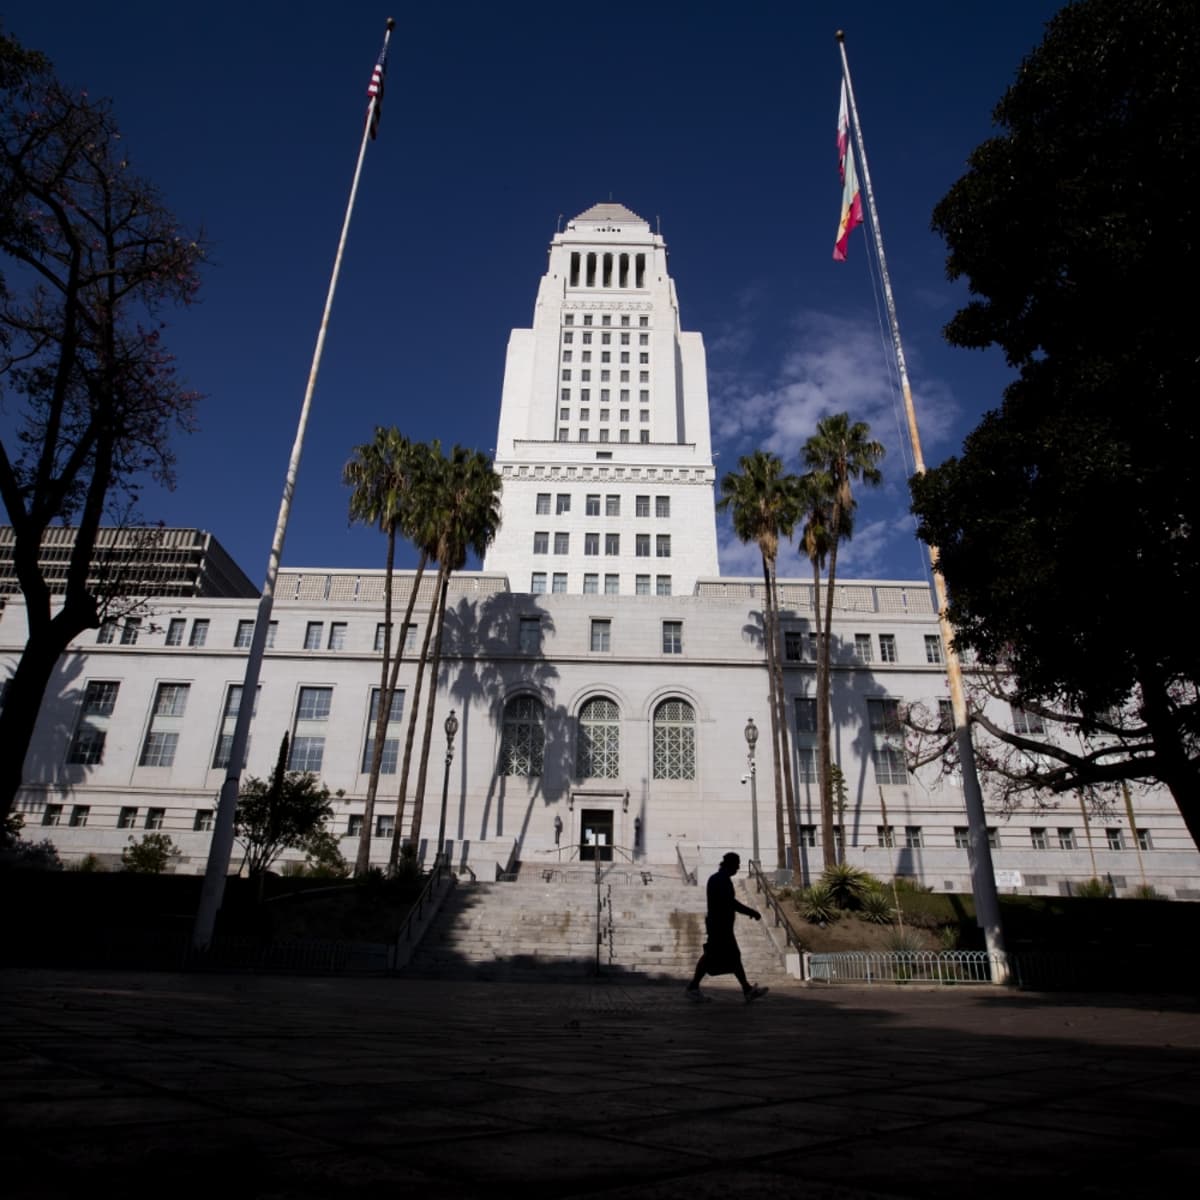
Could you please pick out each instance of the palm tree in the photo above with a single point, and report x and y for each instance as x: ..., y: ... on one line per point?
x: 838, y: 454
x: 764, y: 505
x: 380, y: 474
x: 466, y: 511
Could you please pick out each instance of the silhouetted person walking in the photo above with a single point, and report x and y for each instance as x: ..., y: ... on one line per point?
x: 722, y: 956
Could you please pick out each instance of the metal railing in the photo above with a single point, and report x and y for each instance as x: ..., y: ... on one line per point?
x: 415, y: 913
x: 691, y: 877
x: 906, y: 966
x: 761, y: 887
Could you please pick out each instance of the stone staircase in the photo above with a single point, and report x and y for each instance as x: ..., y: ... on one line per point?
x: 543, y: 924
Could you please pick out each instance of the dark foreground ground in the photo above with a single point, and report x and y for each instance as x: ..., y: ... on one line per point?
x: 138, y: 1084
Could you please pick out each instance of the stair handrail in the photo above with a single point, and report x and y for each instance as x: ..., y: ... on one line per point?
x: 754, y: 870
x: 414, y: 913
x: 692, y: 877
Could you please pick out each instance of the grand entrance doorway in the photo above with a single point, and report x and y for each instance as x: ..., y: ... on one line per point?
x: 596, y: 835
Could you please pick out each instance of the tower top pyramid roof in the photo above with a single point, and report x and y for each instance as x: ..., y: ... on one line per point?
x: 610, y: 212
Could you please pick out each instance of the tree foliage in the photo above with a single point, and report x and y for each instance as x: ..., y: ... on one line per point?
x: 91, y: 258
x: 1067, y: 525
x: 288, y: 812
x: 151, y: 855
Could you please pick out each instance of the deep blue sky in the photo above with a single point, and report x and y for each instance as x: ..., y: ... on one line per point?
x: 717, y: 118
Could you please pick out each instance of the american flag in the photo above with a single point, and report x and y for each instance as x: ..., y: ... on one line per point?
x: 375, y: 91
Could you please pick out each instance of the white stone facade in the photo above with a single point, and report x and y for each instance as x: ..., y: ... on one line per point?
x: 602, y: 676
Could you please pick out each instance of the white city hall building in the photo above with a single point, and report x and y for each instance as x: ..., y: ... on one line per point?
x: 601, y: 670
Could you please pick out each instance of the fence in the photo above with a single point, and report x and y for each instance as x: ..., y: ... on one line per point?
x: 910, y: 966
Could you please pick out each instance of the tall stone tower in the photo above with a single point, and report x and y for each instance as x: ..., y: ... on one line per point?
x: 604, y: 444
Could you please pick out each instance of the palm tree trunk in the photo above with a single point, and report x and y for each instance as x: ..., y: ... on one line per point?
x: 823, y: 766
x: 824, y: 702
x: 419, y: 801
x: 362, y: 863
x: 785, y: 749
x: 394, y: 853
x: 410, y: 736
x: 769, y: 646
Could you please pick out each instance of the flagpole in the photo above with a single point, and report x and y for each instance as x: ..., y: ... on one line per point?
x: 221, y: 847
x: 979, y: 854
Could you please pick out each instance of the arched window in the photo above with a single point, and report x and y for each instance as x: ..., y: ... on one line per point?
x: 599, y: 740
x: 523, y: 736
x: 675, y: 740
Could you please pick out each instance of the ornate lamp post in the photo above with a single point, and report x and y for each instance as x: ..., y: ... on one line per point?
x: 751, y: 732
x: 451, y: 728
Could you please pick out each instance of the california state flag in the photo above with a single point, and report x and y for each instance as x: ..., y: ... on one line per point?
x: 851, y: 196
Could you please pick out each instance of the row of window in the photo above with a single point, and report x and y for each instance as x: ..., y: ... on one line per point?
x: 612, y: 544
x: 913, y: 837
x: 802, y: 647
x: 564, y: 435
x: 585, y: 338
x: 591, y: 584
x: 314, y: 634
x: 592, y: 504
x: 605, y: 320
x: 605, y: 376
x: 585, y: 414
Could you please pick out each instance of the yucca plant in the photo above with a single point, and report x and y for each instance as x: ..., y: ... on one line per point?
x: 1145, y: 891
x: 876, y: 907
x: 817, y: 904
x: 1093, y: 889
x: 848, y: 884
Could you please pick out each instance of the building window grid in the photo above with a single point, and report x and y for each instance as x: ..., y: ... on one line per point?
x: 175, y: 631
x: 672, y: 637
x: 523, y: 737
x: 888, y: 751
x: 933, y: 648
x: 601, y: 640
x: 599, y: 751
x: 675, y: 740
x: 887, y: 647
x: 199, y: 632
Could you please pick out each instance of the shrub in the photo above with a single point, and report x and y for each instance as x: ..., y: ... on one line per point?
x: 1093, y: 889
x: 817, y: 904
x: 1145, y: 891
x: 848, y: 884
x: 906, y: 883
x: 151, y: 856
x: 903, y: 941
x: 947, y: 936
x: 876, y: 907
x: 88, y: 863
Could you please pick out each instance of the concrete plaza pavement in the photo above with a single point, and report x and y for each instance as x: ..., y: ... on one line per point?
x: 269, y: 1086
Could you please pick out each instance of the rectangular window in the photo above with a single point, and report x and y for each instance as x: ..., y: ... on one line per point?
x: 912, y: 837
x: 564, y: 435
x: 612, y: 506
x: 993, y: 836
x: 307, y: 754
x: 562, y: 543
x: 641, y: 506
x: 391, y: 744
x: 314, y: 704
x: 272, y: 630
x: 100, y: 698
x: 87, y: 746
x: 542, y: 507
x: 1143, y: 840
x: 202, y: 822
x: 591, y: 584
x: 233, y: 702
x: 129, y: 631
x: 642, y: 585
x: 862, y: 647
x: 806, y: 764
x: 565, y: 376
x: 933, y: 648
x: 662, y: 545
x: 107, y: 633
x: 171, y: 699
x: 945, y: 716
x: 1066, y: 839
x: 52, y: 814
x: 354, y: 825
x: 385, y: 824
x: 601, y: 635
x: 793, y: 646
x: 1026, y: 722
x: 566, y: 356
x: 887, y: 647
x: 531, y: 635
x: 662, y: 506
x: 127, y: 818
x: 641, y: 545
x: 624, y: 437
x: 155, y: 818
x: 884, y: 720
x: 159, y: 749
x: 244, y: 635
x: 537, y: 583
x: 410, y: 638
x: 591, y: 506
x: 175, y: 631
x: 563, y: 503
x: 312, y: 635
x: 885, y: 836
x: 337, y: 635
x: 662, y: 585
x: 1038, y: 839
x: 396, y: 712
x: 583, y: 435
x: 962, y: 837
x: 644, y: 413
x: 612, y: 543
x: 380, y: 636
x: 806, y: 714
x: 541, y: 541
x: 672, y: 637
x: 79, y: 815
x: 591, y: 543
x: 612, y: 585
x: 560, y: 581
x: 808, y: 835
x: 643, y: 321
x: 569, y: 319
x: 199, y: 633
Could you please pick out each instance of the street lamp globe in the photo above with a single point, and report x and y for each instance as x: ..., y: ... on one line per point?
x: 451, y: 727
x: 751, y: 732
